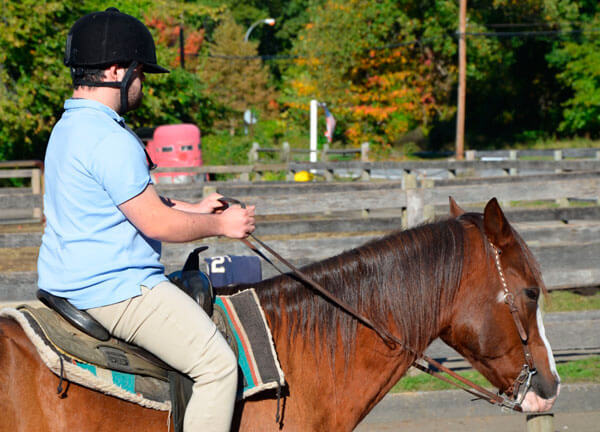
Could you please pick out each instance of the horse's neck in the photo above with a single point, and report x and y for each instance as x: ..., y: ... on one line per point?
x: 338, y: 393
x: 348, y: 385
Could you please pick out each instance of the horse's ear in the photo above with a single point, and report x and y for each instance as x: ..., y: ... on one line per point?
x: 496, y: 225
x: 455, y: 209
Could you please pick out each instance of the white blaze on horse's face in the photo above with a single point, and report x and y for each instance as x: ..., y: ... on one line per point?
x: 542, y: 332
x: 533, y: 402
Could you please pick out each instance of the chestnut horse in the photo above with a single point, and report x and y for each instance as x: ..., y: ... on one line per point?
x: 436, y: 280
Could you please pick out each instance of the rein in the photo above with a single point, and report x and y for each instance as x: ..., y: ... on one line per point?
x: 422, y: 361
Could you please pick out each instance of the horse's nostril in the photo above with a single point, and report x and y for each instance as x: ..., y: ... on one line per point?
x: 544, y: 388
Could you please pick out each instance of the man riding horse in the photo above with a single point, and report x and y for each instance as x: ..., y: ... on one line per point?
x: 105, y: 221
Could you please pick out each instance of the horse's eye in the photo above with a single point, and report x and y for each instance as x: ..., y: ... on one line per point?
x: 532, y: 293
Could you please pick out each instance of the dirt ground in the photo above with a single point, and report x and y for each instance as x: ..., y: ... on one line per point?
x: 18, y: 259
x: 16, y: 228
x: 563, y: 422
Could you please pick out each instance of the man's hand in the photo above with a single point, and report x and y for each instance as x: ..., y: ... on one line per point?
x: 210, y: 204
x: 167, y: 223
x: 237, y: 222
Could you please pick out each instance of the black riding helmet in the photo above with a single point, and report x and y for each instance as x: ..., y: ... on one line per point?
x: 101, y: 39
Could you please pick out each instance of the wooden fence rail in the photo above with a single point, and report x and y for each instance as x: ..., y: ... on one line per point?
x: 559, y: 154
x: 23, y: 199
x: 16, y: 199
x: 364, y: 170
x: 420, y: 198
x: 284, y: 154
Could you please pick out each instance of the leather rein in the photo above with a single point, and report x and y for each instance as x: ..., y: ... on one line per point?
x: 422, y: 362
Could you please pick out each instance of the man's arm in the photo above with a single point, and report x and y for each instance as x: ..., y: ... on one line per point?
x: 159, y: 221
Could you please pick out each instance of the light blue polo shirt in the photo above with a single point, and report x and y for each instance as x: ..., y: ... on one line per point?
x: 91, y: 254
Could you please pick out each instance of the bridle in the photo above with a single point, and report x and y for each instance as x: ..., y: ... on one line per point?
x: 523, y: 381
x: 521, y: 384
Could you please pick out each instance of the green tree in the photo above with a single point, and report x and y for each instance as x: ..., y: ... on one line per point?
x: 358, y: 57
x: 579, y: 64
x: 34, y: 82
x: 234, y: 77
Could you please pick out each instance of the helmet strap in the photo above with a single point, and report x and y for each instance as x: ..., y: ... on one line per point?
x: 127, y: 80
x: 80, y: 82
x: 122, y: 85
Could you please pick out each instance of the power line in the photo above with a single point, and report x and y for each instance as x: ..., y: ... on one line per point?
x: 531, y: 24
x: 528, y: 33
x: 293, y: 57
x: 424, y: 41
x: 256, y: 57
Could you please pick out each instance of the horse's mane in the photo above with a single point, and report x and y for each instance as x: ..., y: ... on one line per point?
x: 402, y: 280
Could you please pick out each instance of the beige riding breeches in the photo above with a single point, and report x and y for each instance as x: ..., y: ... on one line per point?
x: 169, y: 324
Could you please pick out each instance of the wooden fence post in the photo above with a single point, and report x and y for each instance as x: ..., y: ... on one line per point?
x: 540, y: 422
x: 414, y: 203
x: 558, y: 156
x: 415, y: 207
x: 513, y: 155
x: 286, y: 154
x: 428, y: 209
x: 36, y: 189
x: 365, y: 174
x: 364, y: 152
x: 324, y: 156
x: 253, y: 153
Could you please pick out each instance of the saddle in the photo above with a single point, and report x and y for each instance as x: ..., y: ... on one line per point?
x: 77, y: 334
x: 79, y: 339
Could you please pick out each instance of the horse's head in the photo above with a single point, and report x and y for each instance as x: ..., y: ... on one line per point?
x: 501, y: 274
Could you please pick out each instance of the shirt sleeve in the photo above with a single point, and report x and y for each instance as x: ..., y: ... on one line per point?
x: 119, y: 165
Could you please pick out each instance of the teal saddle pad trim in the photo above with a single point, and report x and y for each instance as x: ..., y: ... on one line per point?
x: 124, y: 380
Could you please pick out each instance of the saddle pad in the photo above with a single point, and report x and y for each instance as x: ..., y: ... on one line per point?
x: 113, y: 354
x: 253, y: 341
x: 145, y: 391
x: 231, y: 269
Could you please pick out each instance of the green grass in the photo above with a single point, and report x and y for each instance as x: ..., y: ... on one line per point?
x: 556, y: 144
x: 549, y: 204
x: 566, y: 301
x: 425, y: 382
x: 586, y: 370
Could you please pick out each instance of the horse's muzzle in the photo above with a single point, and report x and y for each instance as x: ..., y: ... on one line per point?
x: 534, y: 403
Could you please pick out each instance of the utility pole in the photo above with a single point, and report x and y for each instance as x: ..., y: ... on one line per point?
x: 462, y: 81
x: 181, y: 42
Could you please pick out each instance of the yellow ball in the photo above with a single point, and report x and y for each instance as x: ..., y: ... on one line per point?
x: 303, y: 176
